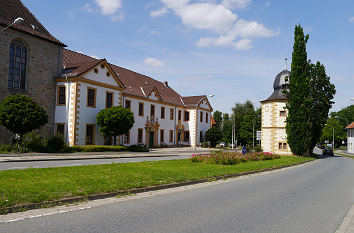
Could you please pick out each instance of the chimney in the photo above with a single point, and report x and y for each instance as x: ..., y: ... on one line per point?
x: 166, y: 83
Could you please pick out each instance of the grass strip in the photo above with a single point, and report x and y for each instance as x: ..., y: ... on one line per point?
x: 349, y: 156
x: 37, y: 185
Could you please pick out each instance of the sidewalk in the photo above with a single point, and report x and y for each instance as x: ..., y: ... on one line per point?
x: 159, y: 152
x: 347, y: 226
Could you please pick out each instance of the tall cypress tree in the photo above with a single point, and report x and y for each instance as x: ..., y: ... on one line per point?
x: 298, y: 121
x: 309, y: 98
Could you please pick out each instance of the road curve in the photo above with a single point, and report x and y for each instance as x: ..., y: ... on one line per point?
x: 309, y: 198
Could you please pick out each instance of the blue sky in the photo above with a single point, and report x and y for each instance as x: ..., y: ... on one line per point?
x: 230, y: 48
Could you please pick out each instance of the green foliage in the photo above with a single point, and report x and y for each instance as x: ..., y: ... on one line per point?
x: 205, y: 144
x: 345, y: 115
x: 115, y: 121
x: 218, y: 118
x: 309, y: 98
x: 20, y: 114
x: 33, y: 142
x: 258, y: 149
x: 231, y: 158
x: 55, y: 144
x: 339, y: 133
x: 5, y: 148
x: 245, y: 117
x: 321, y: 94
x: 213, y: 135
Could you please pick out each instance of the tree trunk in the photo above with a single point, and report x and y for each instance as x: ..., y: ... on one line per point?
x: 115, y: 140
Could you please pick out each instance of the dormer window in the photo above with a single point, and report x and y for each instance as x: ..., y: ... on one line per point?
x: 17, y: 66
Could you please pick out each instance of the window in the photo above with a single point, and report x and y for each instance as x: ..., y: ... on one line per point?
x: 141, y: 109
x: 171, y: 135
x: 89, y: 140
x: 152, y: 111
x: 171, y: 114
x: 17, y: 66
x: 186, y: 115
x: 282, y: 113
x: 201, y: 139
x: 91, y: 97
x: 127, y: 138
x: 201, y: 116
x: 61, y: 95
x: 140, y: 135
x: 162, y: 112
x: 206, y: 117
x: 162, y: 136
x: 186, y: 136
x: 179, y: 115
x: 128, y: 104
x: 60, y: 130
x: 283, y: 146
x: 109, y: 99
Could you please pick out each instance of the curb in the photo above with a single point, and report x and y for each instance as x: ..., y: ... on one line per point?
x: 86, y: 158
x: 72, y: 200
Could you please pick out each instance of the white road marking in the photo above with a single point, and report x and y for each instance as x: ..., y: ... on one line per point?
x: 17, y: 168
x: 91, y: 204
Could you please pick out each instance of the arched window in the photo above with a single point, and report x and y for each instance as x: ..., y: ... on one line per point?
x: 17, y: 66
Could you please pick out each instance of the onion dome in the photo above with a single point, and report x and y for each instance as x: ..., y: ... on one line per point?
x: 279, y: 85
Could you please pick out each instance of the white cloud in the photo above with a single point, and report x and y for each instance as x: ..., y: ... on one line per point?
x: 154, y: 62
x: 88, y: 8
x: 117, y: 17
x: 267, y: 3
x: 154, y: 32
x: 109, y: 7
x: 351, y: 19
x: 159, y: 12
x: 220, y: 19
x: 235, y: 4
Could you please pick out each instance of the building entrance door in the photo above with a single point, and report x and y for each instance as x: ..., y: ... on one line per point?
x: 151, y: 139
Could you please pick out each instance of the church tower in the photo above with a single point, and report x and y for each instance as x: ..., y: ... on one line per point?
x: 274, y: 139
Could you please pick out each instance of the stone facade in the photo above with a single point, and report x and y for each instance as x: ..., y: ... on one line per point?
x: 44, y: 62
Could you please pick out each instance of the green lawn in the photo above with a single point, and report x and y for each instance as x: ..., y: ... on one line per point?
x: 45, y: 184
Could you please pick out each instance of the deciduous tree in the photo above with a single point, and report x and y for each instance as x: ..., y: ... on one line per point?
x: 21, y: 115
x: 115, y: 121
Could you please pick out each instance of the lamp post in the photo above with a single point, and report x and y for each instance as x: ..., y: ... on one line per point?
x: 196, y: 118
x: 16, y: 21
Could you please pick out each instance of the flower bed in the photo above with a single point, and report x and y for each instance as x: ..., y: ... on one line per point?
x: 230, y: 158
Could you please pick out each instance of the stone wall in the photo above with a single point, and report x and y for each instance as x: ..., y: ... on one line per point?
x: 44, y: 62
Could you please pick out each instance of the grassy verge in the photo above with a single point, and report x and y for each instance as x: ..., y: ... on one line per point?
x: 349, y: 156
x: 46, y: 184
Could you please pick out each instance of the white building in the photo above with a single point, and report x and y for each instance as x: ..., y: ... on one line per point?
x: 350, y: 138
x: 162, y: 116
x: 274, y: 138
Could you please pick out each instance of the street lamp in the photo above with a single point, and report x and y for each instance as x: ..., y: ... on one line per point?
x: 16, y: 21
x: 351, y: 98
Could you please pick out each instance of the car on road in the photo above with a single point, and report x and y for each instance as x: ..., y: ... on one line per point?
x: 327, y: 151
x: 223, y: 144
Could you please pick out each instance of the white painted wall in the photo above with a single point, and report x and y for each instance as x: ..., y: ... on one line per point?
x: 350, y: 141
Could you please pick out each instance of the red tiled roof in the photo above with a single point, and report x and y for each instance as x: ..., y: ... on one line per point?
x: 351, y: 126
x: 134, y: 82
x: 12, y: 9
x: 212, y: 121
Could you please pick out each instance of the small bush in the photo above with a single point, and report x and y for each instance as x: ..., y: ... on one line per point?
x: 55, y: 144
x: 94, y: 148
x: 205, y: 144
x: 5, y: 148
x: 33, y: 142
x: 230, y: 158
x: 258, y: 149
x: 137, y: 148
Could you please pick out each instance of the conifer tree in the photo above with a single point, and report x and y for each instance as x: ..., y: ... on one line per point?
x: 299, y: 102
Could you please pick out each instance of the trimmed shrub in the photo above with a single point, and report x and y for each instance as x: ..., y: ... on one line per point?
x: 55, y: 144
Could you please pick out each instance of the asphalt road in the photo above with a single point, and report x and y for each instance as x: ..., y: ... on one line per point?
x: 71, y: 163
x: 310, y: 198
